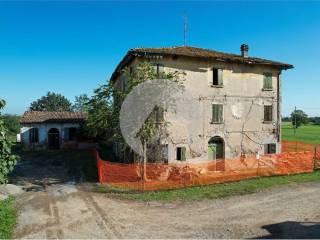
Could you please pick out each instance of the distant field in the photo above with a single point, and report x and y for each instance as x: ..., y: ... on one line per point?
x: 307, y: 134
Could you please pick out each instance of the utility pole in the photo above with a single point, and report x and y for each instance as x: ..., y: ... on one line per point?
x: 295, y: 126
x: 295, y: 120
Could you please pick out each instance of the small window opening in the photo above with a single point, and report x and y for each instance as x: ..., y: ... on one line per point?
x: 268, y: 113
x: 270, y: 148
x: 181, y: 153
x: 217, y: 77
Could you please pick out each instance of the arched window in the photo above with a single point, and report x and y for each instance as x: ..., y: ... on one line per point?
x: 34, y: 135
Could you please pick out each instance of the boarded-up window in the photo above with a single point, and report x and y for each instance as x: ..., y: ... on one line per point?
x: 217, y: 77
x: 181, y: 153
x: 267, y: 81
x: 268, y: 113
x: 217, y: 110
x: 270, y: 148
x: 34, y: 135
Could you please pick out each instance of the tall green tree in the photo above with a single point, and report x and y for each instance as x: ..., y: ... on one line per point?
x: 7, y: 159
x: 105, y: 105
x: 51, y: 102
x: 298, y: 118
x: 81, y: 103
x: 12, y: 123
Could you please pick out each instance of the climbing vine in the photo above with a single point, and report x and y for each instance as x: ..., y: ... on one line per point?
x: 7, y: 159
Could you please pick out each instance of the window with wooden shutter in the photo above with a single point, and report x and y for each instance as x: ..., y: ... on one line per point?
x: 181, y: 153
x: 217, y: 77
x: 217, y: 112
x: 66, y: 134
x: 159, y: 114
x: 34, y: 135
x: 268, y: 113
x: 158, y: 68
x: 267, y: 81
x: 270, y: 148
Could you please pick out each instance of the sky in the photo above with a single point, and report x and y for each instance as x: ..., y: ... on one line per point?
x: 72, y: 47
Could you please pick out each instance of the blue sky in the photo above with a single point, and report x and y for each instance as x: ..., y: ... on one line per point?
x: 72, y: 47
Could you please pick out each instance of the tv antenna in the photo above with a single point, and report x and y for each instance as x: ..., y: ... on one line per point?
x: 185, y: 28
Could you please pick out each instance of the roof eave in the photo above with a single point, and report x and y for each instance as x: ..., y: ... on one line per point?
x: 131, y: 54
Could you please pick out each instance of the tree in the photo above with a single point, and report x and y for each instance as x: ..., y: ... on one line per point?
x: 315, y: 120
x: 7, y: 159
x: 100, y: 123
x: 12, y: 123
x: 81, y: 103
x: 52, y: 102
x: 105, y: 106
x: 298, y: 118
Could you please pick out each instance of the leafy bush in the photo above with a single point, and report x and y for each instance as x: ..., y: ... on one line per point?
x: 12, y: 123
x: 8, y: 218
x: 315, y: 120
x: 7, y: 159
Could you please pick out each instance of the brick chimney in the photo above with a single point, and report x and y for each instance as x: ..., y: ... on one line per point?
x: 244, y: 50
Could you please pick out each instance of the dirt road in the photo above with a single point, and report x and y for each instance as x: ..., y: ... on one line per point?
x: 65, y: 211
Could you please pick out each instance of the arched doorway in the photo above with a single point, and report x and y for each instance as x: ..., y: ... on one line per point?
x: 53, y: 138
x: 216, y: 148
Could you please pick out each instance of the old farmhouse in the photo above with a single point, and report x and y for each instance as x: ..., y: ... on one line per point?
x: 52, y: 130
x: 239, y: 97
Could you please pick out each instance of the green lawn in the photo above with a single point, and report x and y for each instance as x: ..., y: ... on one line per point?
x: 7, y: 218
x: 210, y: 191
x: 308, y: 133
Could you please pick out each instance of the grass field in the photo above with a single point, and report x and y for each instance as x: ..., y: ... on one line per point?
x: 7, y: 218
x: 210, y: 191
x: 308, y: 133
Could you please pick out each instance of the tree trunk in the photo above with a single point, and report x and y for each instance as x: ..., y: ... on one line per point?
x: 144, y: 161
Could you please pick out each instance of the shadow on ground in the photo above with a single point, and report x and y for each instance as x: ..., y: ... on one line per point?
x: 293, y: 230
x: 38, y: 169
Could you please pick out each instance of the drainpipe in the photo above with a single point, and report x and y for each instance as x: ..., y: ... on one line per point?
x: 279, y: 101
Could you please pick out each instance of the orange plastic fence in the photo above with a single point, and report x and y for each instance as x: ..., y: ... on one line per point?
x: 299, y: 147
x: 170, y: 176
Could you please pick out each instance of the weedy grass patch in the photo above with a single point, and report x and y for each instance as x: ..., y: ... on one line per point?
x: 209, y: 191
x: 8, y: 218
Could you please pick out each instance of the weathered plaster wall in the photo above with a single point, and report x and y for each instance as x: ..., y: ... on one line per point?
x: 243, y: 98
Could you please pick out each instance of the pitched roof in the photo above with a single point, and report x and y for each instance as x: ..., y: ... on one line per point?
x: 195, y: 52
x: 61, y: 117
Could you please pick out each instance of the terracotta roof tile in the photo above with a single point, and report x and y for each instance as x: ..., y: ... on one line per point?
x: 208, y: 53
x: 41, y: 117
x: 195, y: 52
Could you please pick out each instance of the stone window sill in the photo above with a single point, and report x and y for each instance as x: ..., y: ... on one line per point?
x: 267, y: 122
x: 267, y: 89
x: 216, y: 86
x: 216, y: 123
